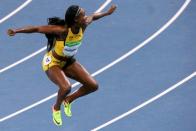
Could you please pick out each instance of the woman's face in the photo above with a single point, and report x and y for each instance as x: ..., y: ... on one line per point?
x: 80, y: 18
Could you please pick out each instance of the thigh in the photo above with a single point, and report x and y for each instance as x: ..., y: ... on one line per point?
x: 77, y: 72
x: 56, y: 75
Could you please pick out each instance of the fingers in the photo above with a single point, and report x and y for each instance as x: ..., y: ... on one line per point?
x: 11, y: 32
x: 114, y: 6
x: 112, y: 9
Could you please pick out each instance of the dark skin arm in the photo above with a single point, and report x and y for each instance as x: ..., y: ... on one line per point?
x: 59, y: 30
x: 96, y: 16
x: 48, y: 29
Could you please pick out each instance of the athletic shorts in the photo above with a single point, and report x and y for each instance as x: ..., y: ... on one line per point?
x: 49, y: 61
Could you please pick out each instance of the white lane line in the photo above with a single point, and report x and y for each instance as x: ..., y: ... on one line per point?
x: 42, y: 49
x: 103, y: 6
x: 109, y: 65
x: 146, y: 102
x: 15, y: 11
x: 30, y: 56
x: 22, y: 60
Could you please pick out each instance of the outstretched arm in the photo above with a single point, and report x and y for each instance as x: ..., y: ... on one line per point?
x: 99, y: 15
x: 48, y: 29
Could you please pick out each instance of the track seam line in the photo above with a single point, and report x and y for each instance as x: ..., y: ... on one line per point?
x: 15, y: 11
x: 146, y: 102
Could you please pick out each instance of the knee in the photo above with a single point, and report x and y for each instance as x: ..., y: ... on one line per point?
x: 66, y: 89
x: 93, y: 86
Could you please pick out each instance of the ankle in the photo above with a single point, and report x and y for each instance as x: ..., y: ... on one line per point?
x: 56, y: 108
x: 67, y: 100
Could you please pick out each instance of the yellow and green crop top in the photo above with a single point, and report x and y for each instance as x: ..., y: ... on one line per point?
x: 70, y: 46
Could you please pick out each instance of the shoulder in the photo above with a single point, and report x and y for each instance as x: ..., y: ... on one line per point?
x: 87, y: 21
x: 61, y: 29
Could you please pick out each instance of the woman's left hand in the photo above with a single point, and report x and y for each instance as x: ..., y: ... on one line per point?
x: 112, y: 9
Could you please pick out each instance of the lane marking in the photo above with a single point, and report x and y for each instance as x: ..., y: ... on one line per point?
x: 180, y: 11
x: 30, y: 56
x: 146, y: 102
x: 103, y: 6
x: 23, y: 60
x: 15, y: 11
x: 164, y: 27
x: 43, y: 48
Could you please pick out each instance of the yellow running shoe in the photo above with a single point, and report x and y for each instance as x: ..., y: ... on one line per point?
x: 67, y: 109
x: 56, y: 117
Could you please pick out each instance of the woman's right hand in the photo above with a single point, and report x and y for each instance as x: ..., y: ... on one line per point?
x: 11, y: 32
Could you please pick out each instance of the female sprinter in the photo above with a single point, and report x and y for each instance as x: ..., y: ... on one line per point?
x: 59, y: 63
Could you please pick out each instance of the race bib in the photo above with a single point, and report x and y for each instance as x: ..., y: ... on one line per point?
x: 47, y: 60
